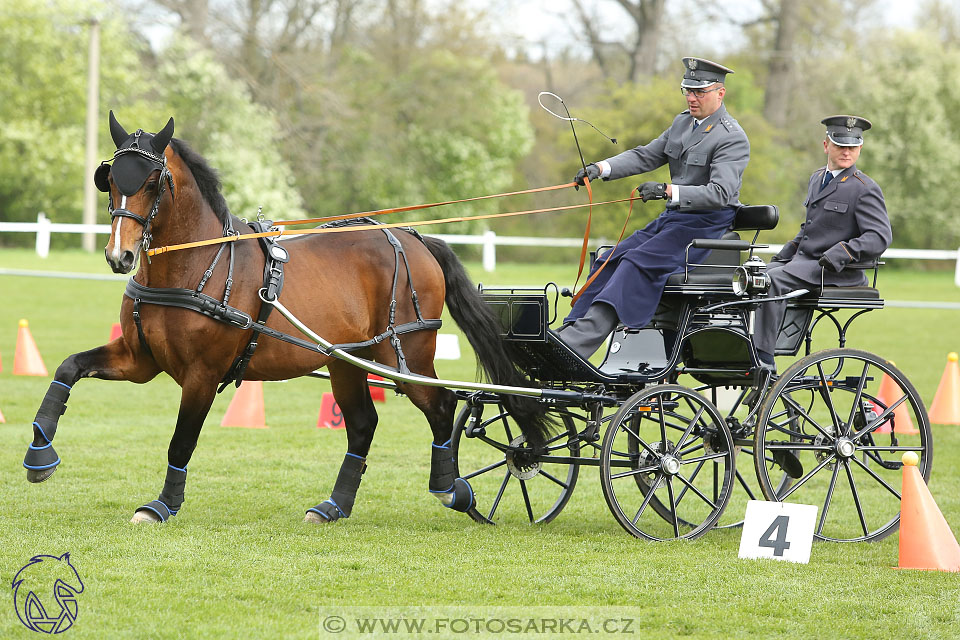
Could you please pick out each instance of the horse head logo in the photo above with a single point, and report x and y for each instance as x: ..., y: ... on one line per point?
x: 45, y: 593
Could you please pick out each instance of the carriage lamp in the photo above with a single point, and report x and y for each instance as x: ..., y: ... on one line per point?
x: 751, y: 277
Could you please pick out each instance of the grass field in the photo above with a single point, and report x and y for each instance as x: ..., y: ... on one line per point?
x: 238, y: 562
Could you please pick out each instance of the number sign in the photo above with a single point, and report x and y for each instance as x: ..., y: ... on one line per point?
x: 778, y: 530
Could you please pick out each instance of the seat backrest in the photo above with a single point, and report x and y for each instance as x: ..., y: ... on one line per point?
x: 757, y: 217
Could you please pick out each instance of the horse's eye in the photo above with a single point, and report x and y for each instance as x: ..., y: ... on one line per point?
x: 151, y: 186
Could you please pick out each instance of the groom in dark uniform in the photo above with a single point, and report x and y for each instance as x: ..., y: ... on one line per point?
x: 707, y: 152
x: 846, y: 223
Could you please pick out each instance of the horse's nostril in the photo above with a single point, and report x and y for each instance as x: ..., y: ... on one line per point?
x: 126, y: 259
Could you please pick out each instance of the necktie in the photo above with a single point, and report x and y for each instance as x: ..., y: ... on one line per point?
x: 696, y: 123
x: 826, y: 180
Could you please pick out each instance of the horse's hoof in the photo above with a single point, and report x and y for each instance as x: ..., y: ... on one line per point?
x: 315, y: 518
x: 145, y: 517
x: 39, y: 475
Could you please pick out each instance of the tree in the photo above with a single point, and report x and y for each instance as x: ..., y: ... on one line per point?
x: 911, y: 151
x: 636, y: 55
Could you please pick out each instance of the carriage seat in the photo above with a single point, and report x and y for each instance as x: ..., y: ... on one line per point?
x: 714, y: 274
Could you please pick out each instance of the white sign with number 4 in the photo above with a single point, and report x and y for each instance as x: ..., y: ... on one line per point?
x: 778, y: 530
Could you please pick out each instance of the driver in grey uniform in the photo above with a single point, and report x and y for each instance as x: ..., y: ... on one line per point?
x: 707, y: 152
x: 846, y: 223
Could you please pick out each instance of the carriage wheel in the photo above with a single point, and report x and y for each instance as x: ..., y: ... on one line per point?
x: 509, y: 482
x: 842, y: 419
x: 666, y: 441
x: 735, y: 404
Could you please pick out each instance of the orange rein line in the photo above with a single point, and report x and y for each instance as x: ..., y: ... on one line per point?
x: 280, y: 232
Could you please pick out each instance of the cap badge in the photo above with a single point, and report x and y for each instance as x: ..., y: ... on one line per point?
x: 692, y: 63
x: 851, y: 123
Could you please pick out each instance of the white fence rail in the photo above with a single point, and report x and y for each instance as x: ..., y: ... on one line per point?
x: 489, y: 240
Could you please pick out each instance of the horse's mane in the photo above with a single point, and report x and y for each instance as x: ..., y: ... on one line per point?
x: 206, y: 176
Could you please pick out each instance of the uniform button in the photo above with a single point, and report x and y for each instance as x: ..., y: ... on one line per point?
x: 801, y: 252
x: 813, y: 206
x: 805, y: 237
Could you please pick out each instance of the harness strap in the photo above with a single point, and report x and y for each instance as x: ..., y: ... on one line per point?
x: 275, y: 258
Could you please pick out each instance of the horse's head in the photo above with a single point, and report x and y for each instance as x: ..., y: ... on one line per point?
x: 139, y: 182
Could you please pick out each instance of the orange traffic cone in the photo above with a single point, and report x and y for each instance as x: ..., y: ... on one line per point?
x: 889, y: 393
x: 115, y: 332
x: 26, y: 359
x: 946, y: 404
x: 2, y: 419
x: 926, y: 541
x: 246, y: 408
x: 1, y: 364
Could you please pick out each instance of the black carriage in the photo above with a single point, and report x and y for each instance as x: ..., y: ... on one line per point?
x: 666, y: 413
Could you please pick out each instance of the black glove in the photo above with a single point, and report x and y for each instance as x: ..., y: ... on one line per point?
x: 652, y: 191
x: 592, y: 172
x: 826, y: 264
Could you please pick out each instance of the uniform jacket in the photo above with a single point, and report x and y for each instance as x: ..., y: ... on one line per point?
x: 707, y: 163
x: 846, y: 222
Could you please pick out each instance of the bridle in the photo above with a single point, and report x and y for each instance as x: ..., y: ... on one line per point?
x: 165, y: 178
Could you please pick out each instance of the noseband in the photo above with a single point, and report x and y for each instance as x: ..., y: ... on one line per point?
x: 165, y: 178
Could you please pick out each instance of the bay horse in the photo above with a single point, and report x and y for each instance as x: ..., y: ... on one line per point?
x: 348, y: 287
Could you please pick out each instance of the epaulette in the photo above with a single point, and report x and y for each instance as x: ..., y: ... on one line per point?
x: 728, y: 124
x: 856, y: 174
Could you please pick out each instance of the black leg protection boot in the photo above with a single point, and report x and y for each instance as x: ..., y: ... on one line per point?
x: 41, y: 461
x: 340, y: 503
x: 453, y: 492
x: 171, y: 498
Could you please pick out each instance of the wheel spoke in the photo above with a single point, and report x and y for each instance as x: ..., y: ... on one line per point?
x: 489, y: 467
x: 709, y: 456
x: 693, y: 477
x: 743, y: 483
x: 663, y: 426
x: 856, y: 497
x: 632, y: 472
x: 695, y: 490
x: 550, y: 477
x: 861, y: 383
x: 690, y: 426
x: 526, y: 500
x: 673, y: 508
x: 806, y: 416
x: 873, y: 474
x: 804, y: 479
x: 640, y: 440
x: 828, y: 398
x: 881, y: 418
x: 828, y: 499
x: 871, y: 447
x: 496, y: 501
x: 646, y: 498
x: 691, y: 449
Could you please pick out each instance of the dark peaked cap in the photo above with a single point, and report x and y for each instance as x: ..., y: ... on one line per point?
x: 700, y: 73
x: 846, y: 131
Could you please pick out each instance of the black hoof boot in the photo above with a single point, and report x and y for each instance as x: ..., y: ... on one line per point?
x: 326, y: 511
x: 40, y: 462
x: 459, y: 498
x: 171, y: 498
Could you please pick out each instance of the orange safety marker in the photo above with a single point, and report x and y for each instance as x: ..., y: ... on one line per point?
x: 1, y: 364
x: 2, y: 419
x: 926, y: 541
x: 330, y: 415
x: 246, y: 408
x: 115, y: 332
x: 889, y: 393
x: 26, y: 358
x: 946, y: 404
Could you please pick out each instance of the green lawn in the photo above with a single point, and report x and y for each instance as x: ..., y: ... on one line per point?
x: 239, y: 562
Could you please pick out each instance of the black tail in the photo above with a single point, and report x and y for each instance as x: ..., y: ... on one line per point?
x: 482, y: 328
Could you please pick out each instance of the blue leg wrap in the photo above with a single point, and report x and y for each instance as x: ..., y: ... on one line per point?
x: 453, y: 492
x: 340, y: 503
x: 171, y: 498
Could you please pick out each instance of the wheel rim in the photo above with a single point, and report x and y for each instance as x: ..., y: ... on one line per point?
x: 672, y: 438
x: 848, y: 434
x: 510, y: 482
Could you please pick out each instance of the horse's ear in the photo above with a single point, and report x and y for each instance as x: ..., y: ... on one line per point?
x: 161, y: 140
x: 65, y: 556
x: 116, y: 131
